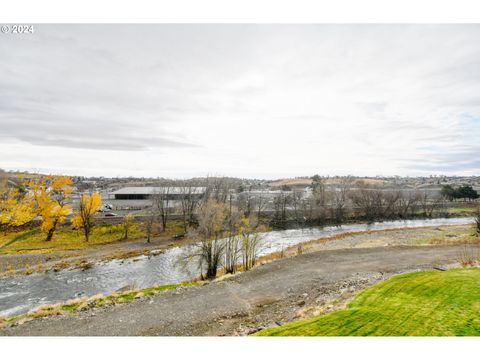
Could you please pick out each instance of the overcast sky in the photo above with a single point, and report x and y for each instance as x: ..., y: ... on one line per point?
x: 263, y: 101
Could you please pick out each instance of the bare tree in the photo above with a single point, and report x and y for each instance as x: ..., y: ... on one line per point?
x: 408, y: 203
x: 319, y: 191
x: 189, y: 202
x: 309, y: 210
x: 368, y: 201
x: 340, y: 198
x: 232, y: 248
x: 320, y: 196
x: 127, y: 225
x: 161, y: 204
x: 477, y: 221
x: 211, y: 225
x: 251, y: 242
x: 150, y: 220
x: 260, y: 203
x: 218, y: 188
x: 296, y: 202
x: 280, y: 203
x: 246, y: 202
x: 391, y: 203
x: 428, y: 203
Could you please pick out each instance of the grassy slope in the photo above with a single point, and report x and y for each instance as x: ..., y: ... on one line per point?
x: 430, y: 303
x: 33, y: 241
x: 464, y: 210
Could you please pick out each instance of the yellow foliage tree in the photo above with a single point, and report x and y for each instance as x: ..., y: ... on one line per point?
x: 127, y: 224
x: 211, y: 226
x: 50, y: 194
x: 16, y: 208
x: 83, y: 219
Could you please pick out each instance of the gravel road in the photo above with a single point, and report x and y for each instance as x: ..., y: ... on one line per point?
x: 268, y: 295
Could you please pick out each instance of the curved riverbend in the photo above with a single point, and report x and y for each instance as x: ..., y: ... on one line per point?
x: 21, y: 294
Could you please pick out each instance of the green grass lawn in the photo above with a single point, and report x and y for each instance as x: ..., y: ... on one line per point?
x: 432, y: 303
x: 65, y: 238
x: 33, y: 241
x: 462, y: 210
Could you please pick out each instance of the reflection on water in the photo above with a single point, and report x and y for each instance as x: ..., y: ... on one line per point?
x: 21, y: 294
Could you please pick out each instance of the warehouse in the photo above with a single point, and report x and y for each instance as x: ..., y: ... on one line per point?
x: 145, y: 192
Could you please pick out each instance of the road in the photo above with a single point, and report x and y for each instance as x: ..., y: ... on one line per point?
x: 265, y: 296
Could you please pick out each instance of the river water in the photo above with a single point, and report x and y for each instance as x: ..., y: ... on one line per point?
x: 23, y: 293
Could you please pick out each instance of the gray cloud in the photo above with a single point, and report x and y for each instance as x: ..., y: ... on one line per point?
x: 237, y: 99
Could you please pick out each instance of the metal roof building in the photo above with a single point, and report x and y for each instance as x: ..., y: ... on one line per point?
x: 145, y: 192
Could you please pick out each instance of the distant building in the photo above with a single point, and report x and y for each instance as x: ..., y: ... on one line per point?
x: 146, y: 192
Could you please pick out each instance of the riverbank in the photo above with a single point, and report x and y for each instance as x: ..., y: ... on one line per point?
x: 85, y: 303
x: 30, y: 261
x: 291, y: 288
x: 266, y: 296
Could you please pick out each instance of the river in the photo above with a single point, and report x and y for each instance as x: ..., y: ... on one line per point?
x: 20, y: 294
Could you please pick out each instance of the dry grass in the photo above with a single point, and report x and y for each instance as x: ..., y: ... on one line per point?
x: 3, y: 321
x: 289, y: 182
x: 298, y: 249
x: 446, y: 235
x: 326, y: 307
x: 85, y: 303
x: 469, y: 256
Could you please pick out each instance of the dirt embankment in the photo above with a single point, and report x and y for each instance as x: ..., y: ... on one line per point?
x: 268, y: 295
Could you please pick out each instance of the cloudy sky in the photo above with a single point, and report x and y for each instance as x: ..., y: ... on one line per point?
x: 263, y: 101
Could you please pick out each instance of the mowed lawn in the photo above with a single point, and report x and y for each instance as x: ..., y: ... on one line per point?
x: 432, y: 303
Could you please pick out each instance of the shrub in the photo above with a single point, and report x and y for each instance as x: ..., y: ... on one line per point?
x: 477, y: 222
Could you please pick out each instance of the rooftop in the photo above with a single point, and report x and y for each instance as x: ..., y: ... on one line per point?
x: 149, y: 190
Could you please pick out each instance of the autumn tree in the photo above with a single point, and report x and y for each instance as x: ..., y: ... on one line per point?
x: 50, y: 195
x: 83, y: 219
x: 211, y: 226
x: 127, y: 225
x: 16, y: 208
x: 250, y: 240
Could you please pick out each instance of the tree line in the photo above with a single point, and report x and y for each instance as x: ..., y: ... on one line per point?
x: 353, y: 199
x: 47, y: 199
x: 461, y: 192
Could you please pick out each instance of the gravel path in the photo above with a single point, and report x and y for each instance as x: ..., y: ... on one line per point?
x: 268, y: 295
